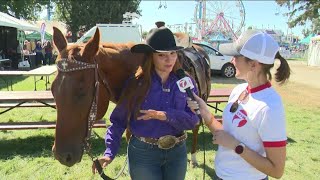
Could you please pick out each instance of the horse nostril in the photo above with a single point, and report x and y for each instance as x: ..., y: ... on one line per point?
x: 68, y: 158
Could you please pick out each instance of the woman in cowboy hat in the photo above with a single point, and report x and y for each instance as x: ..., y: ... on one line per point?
x: 155, y: 111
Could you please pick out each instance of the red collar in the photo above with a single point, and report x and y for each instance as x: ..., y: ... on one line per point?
x: 259, y: 88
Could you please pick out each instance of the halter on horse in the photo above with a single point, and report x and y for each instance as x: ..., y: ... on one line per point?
x: 89, y: 76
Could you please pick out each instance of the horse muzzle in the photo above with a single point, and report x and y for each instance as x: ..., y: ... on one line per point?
x: 67, y: 157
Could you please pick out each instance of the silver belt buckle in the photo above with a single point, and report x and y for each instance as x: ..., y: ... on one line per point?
x: 167, y: 142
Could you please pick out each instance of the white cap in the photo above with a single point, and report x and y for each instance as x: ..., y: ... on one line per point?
x: 253, y: 44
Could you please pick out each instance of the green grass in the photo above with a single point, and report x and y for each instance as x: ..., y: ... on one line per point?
x: 26, y: 154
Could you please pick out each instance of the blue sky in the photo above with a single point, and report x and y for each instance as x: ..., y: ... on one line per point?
x: 260, y: 14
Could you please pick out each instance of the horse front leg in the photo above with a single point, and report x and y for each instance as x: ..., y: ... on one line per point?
x: 194, y: 162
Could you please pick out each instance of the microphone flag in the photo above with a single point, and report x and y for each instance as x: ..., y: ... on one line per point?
x: 184, y: 84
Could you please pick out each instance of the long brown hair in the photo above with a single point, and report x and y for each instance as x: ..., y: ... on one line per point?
x: 138, y: 85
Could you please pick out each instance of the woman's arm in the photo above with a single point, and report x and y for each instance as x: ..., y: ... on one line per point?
x: 114, y: 132
x: 181, y: 120
x: 179, y: 115
x: 272, y: 165
x: 207, y: 116
x: 213, y: 124
x: 113, y: 137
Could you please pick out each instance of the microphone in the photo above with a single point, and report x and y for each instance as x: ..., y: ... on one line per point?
x: 185, y: 85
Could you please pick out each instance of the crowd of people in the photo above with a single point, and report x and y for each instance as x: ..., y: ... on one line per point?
x: 42, y: 52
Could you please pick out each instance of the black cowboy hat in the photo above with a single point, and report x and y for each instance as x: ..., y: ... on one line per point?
x: 158, y: 40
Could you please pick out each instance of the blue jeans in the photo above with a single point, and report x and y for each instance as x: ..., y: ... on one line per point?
x: 148, y: 162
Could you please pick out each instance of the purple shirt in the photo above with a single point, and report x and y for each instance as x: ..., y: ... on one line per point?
x: 179, y: 115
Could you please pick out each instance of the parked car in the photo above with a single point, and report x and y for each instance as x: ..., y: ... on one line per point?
x: 218, y: 61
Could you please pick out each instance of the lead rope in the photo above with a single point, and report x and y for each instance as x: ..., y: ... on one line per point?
x: 91, y: 120
x: 203, y: 137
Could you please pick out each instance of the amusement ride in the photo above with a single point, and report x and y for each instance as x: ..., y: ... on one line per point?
x: 219, y: 20
x: 215, y: 21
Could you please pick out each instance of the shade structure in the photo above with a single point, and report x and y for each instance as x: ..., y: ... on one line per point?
x: 218, y: 38
x: 307, y: 39
x: 9, y: 21
x: 314, y: 51
x: 37, y: 35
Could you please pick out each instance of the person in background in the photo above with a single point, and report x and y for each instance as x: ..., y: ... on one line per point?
x: 27, y: 45
x: 155, y: 111
x: 25, y: 50
x: 252, y: 137
x: 39, y: 54
x: 48, y: 53
x: 33, y: 45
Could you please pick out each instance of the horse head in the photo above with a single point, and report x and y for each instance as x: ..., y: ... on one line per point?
x: 73, y: 90
x: 87, y: 74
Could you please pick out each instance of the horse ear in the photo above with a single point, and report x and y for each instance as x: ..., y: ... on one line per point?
x: 92, y: 46
x: 59, y: 40
x: 182, y: 39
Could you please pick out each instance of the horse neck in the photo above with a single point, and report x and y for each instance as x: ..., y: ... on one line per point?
x: 116, y: 69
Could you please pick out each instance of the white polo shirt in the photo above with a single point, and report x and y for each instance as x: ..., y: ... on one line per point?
x: 258, y: 123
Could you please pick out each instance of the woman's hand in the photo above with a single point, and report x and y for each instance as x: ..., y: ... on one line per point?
x: 224, y: 139
x: 202, y: 106
x: 152, y: 114
x: 104, y: 161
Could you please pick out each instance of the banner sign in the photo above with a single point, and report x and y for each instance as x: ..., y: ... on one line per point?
x: 42, y: 32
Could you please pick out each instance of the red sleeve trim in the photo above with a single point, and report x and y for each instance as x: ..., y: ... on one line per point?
x: 274, y: 143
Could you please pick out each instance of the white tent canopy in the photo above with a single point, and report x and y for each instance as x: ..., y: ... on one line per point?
x: 314, y: 51
x: 9, y: 21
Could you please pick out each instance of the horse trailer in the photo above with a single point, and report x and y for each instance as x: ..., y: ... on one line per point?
x: 115, y: 33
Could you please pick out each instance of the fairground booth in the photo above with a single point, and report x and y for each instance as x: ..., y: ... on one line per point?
x: 12, y: 36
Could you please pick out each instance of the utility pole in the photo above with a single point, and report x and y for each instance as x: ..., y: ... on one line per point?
x: 49, y: 10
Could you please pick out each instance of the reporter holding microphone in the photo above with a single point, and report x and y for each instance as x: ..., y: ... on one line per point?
x: 252, y: 137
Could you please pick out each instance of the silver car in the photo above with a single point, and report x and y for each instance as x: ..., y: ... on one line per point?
x: 218, y: 61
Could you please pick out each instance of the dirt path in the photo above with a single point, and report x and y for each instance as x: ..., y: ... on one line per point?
x: 303, y: 74
x: 302, y: 88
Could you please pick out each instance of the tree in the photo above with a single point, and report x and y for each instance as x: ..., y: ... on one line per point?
x: 82, y: 15
x: 301, y: 11
x: 144, y: 34
x: 26, y: 9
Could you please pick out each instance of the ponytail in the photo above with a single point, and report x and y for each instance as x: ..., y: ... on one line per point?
x: 283, y: 71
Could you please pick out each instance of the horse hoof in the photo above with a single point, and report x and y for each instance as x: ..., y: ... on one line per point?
x: 194, y: 164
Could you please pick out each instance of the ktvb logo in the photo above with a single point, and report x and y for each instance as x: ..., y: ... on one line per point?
x: 183, y: 83
x: 240, y: 118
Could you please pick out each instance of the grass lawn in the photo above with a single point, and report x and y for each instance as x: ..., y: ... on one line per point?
x: 26, y: 154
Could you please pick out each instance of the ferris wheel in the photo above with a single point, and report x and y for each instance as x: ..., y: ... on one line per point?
x: 214, y: 18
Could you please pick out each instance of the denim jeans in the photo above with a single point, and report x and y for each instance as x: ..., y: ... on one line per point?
x: 148, y: 162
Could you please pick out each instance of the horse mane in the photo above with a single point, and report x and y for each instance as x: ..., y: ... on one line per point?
x: 117, y: 46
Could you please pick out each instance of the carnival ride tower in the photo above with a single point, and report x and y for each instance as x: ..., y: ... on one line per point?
x: 219, y: 19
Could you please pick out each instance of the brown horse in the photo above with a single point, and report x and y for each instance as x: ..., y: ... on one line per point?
x: 76, y: 89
